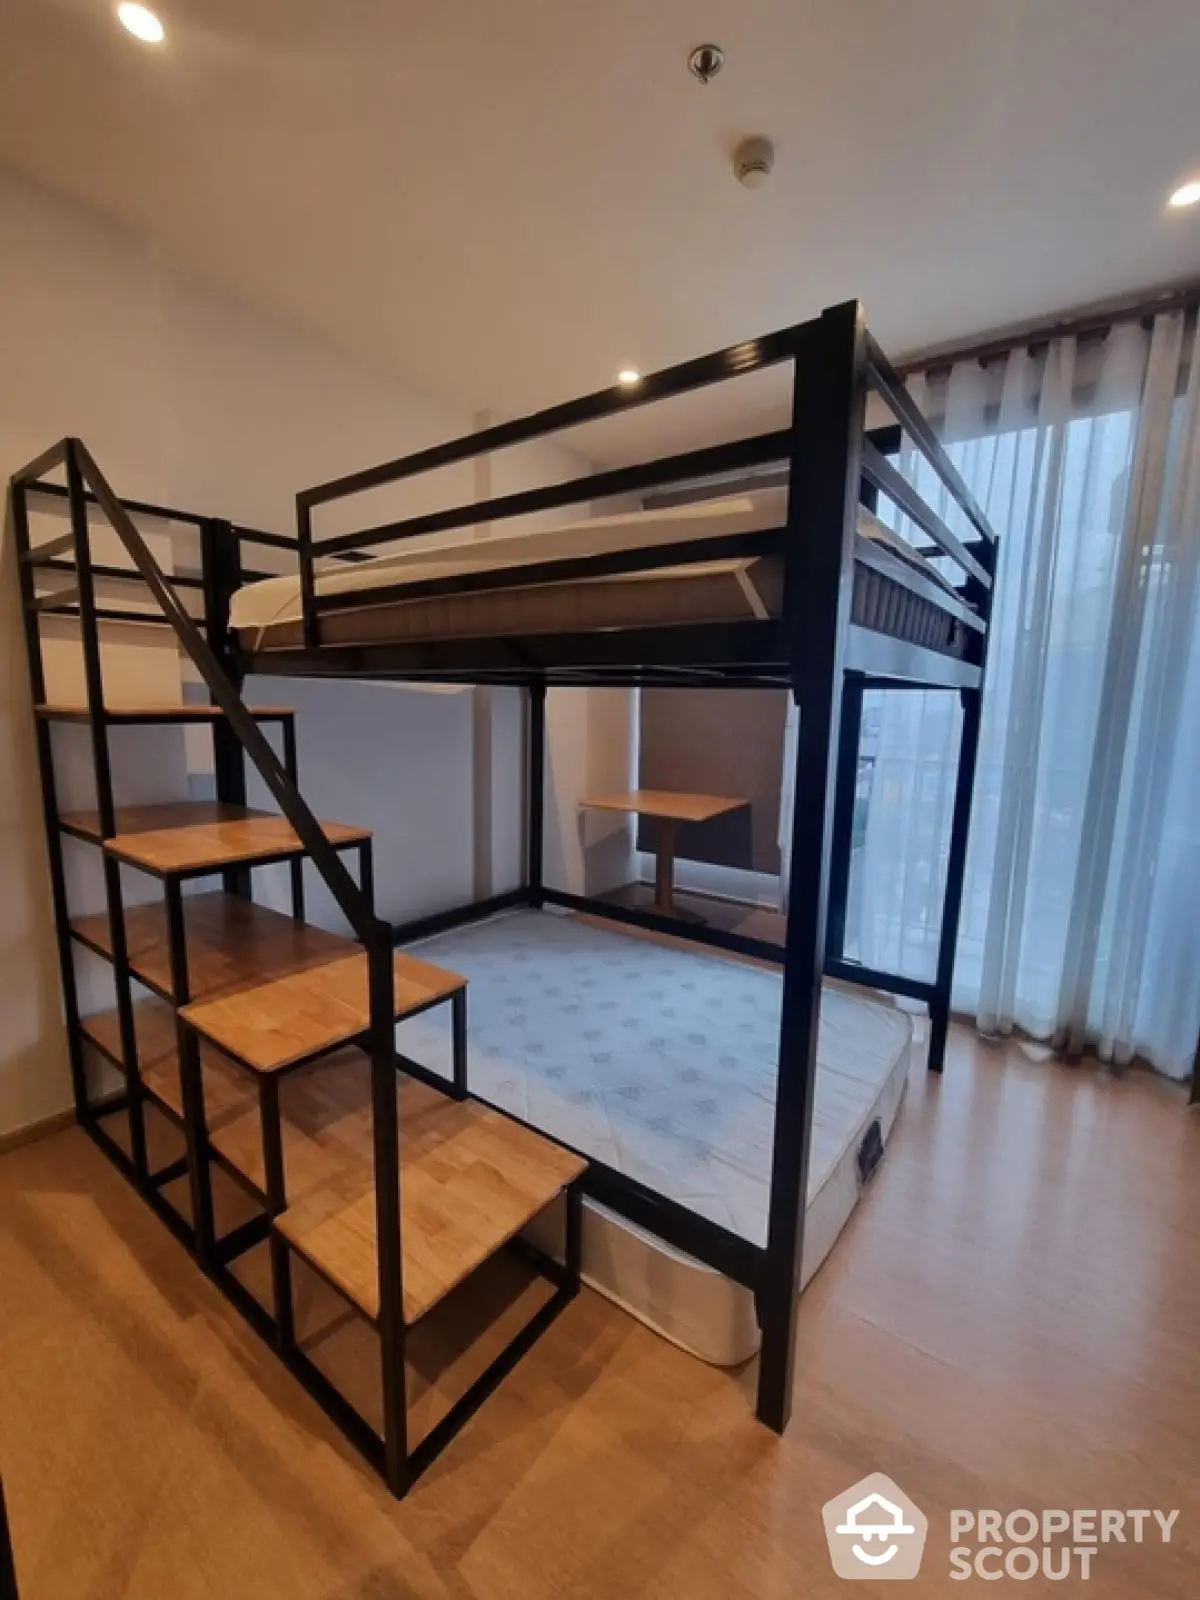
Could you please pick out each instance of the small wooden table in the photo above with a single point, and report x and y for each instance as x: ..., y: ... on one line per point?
x: 669, y: 810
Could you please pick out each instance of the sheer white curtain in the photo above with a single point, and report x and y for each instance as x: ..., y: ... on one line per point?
x: 1081, y: 918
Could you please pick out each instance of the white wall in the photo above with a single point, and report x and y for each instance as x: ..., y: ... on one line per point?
x: 589, y: 739
x: 186, y: 397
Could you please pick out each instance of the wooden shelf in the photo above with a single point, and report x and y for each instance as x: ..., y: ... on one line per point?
x: 470, y: 1179
x: 150, y: 714
x: 231, y: 943
x: 265, y: 989
x: 325, y: 1109
x: 197, y: 836
x: 673, y: 807
x: 230, y: 1097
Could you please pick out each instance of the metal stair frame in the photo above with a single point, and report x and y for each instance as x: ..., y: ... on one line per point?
x: 85, y: 482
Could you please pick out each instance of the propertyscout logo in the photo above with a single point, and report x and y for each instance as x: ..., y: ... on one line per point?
x: 875, y: 1531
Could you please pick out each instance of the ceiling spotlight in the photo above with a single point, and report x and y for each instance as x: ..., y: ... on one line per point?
x: 627, y: 377
x: 1187, y: 195
x: 141, y: 22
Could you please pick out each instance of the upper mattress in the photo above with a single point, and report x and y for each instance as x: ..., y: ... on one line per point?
x: 734, y: 588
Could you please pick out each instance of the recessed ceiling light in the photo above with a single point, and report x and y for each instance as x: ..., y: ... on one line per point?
x: 627, y: 377
x: 1187, y: 195
x: 141, y: 22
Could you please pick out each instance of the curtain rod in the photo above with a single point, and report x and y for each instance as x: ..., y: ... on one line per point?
x: 1079, y: 324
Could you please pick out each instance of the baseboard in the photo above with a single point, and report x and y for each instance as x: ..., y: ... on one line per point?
x: 42, y: 1129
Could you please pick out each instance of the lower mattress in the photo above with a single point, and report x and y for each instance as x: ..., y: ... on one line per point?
x: 660, y: 1062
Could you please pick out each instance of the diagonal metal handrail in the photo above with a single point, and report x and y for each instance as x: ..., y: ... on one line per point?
x: 352, y: 902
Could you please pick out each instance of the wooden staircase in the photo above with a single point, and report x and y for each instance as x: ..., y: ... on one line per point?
x: 269, y: 1042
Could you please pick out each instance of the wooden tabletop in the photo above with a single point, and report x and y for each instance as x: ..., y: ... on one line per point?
x: 196, y: 835
x: 664, y: 803
x: 470, y: 1179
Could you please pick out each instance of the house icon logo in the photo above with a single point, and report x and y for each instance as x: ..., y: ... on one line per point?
x: 875, y: 1531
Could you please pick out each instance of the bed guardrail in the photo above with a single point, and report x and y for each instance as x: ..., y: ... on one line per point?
x: 878, y: 473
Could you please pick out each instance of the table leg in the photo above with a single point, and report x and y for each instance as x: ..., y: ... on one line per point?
x: 664, y: 868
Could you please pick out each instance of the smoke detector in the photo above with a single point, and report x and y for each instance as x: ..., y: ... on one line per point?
x: 753, y: 160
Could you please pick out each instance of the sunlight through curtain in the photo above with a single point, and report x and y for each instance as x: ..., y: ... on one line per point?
x: 1081, y: 917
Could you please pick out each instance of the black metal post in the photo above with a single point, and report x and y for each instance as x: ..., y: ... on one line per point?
x: 191, y: 1080
x: 980, y: 595
x: 829, y: 399
x: 18, y: 521
x: 366, y: 871
x: 845, y: 795
x: 221, y: 569
x: 308, y: 585
x: 956, y: 872
x: 291, y: 765
x: 573, y: 1254
x: 276, y: 1186
x: 535, y: 844
x: 458, y: 1029
x: 105, y: 805
x: 386, y: 1133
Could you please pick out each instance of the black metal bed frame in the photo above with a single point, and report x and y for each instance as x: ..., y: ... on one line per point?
x: 813, y: 649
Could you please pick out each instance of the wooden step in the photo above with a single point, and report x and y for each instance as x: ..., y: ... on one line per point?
x: 149, y: 714
x: 198, y: 836
x: 470, y: 1180
x: 265, y: 989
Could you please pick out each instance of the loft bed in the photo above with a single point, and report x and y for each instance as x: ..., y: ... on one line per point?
x: 798, y: 585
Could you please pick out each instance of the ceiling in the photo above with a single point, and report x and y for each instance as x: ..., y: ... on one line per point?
x: 503, y: 201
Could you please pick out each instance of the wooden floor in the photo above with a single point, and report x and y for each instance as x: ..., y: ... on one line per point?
x: 1011, y: 1320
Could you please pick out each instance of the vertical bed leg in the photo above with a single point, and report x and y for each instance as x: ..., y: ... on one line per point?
x: 956, y: 870
x: 458, y: 1029
x: 778, y: 1291
x: 828, y: 407
x: 845, y: 793
x: 537, y: 794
